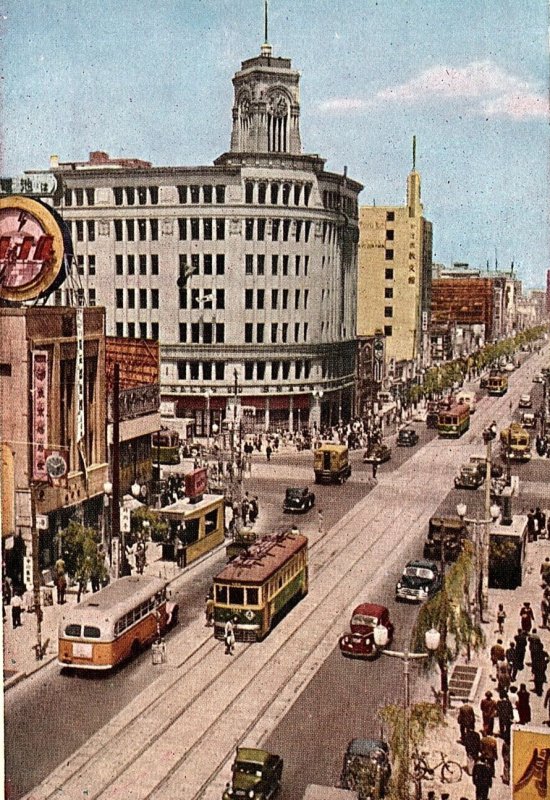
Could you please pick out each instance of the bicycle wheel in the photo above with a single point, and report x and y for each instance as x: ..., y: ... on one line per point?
x: 451, y: 772
x: 419, y: 770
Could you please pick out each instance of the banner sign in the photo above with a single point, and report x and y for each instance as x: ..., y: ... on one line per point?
x: 530, y: 763
x: 39, y: 414
x: 39, y: 184
x: 79, y: 374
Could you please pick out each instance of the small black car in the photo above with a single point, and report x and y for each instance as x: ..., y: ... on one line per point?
x: 421, y: 579
x: 298, y: 499
x: 407, y: 437
x: 377, y: 454
x: 256, y: 775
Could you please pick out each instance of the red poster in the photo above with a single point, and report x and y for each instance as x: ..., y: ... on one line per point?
x: 196, y: 483
x: 39, y: 414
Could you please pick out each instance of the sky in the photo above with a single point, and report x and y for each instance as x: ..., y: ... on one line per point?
x: 152, y: 79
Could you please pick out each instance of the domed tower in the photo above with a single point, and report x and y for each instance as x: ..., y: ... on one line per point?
x: 266, y: 108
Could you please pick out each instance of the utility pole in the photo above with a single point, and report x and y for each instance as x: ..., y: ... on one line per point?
x: 37, y: 606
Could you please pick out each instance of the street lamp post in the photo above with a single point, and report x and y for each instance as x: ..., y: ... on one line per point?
x: 432, y: 639
x: 318, y: 396
x: 107, y: 492
x: 481, y: 555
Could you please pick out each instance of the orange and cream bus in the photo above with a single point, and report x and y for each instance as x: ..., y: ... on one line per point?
x: 115, y: 623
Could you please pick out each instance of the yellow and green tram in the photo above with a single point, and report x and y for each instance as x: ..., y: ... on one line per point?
x: 260, y: 585
x: 497, y: 384
x: 454, y: 421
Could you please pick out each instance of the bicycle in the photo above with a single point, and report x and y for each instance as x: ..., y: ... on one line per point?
x: 450, y: 771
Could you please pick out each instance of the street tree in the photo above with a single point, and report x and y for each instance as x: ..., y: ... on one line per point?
x: 80, y: 552
x: 143, y: 519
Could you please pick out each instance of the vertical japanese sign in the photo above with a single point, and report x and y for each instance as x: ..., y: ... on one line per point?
x: 530, y: 763
x: 79, y: 374
x: 39, y: 414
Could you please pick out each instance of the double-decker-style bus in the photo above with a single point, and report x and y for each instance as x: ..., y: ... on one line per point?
x: 259, y: 586
x: 115, y: 623
x: 454, y: 421
x: 166, y: 446
x: 497, y: 384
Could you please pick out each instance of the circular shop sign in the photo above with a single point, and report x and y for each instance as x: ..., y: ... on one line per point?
x: 31, y: 248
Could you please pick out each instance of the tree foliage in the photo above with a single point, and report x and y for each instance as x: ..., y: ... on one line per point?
x: 79, y: 547
x: 157, y: 527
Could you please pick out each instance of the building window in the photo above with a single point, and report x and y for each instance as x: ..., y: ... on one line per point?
x: 305, y: 337
x: 130, y: 228
x: 389, y: 254
x: 248, y: 264
x: 220, y: 298
x: 248, y: 192
x: 275, y: 370
x: 91, y: 265
x: 390, y: 216
x: 220, y: 332
x: 142, y: 195
x: 219, y: 367
x: 274, y: 264
x: 119, y: 195
x: 130, y: 195
x: 182, y: 228
x: 132, y: 330
x: 155, y: 331
x: 297, y: 299
x: 260, y: 370
x: 248, y: 332
x: 90, y: 197
x: 388, y: 274
x: 182, y: 370
x: 306, y: 298
x: 274, y: 193
x: 387, y: 330
x: 260, y: 332
x: 142, y: 230
x: 207, y: 228
x: 183, y: 331
x: 207, y: 370
x: 275, y: 230
x: 298, y: 227
x: 297, y: 193
x: 154, y: 298
x: 249, y: 229
x: 195, y: 298
x: 273, y: 332
x: 154, y: 264
x: 248, y: 370
x: 207, y: 264
x: 79, y: 230
x: 68, y: 198
x: 154, y: 225
x: 286, y: 193
x: 260, y: 299
x: 80, y: 265
x: 260, y: 267
x: 285, y: 265
x: 296, y: 331
x: 195, y: 263
x: 207, y: 193
x: 143, y: 330
x: 154, y: 195
x: 91, y: 230
x: 388, y: 292
x: 389, y: 235
x: 131, y: 265
x: 286, y: 229
x: 307, y: 193
x: 183, y: 298
x: 194, y: 191
x: 220, y: 228
x: 220, y: 195
x: 261, y: 230
x: 207, y: 333
x: 195, y: 229
x: 143, y: 265
x: 119, y: 298
x: 285, y: 299
x: 388, y: 311
x: 118, y: 264
x: 284, y: 332
x: 262, y: 192
x: 274, y: 298
x: 298, y: 370
x: 182, y: 194
x: 194, y: 370
x: 286, y: 370
x: 248, y: 298
x: 307, y: 229
x: 220, y: 264
x: 131, y: 298
x: 297, y: 261
x: 119, y: 328
x: 195, y: 332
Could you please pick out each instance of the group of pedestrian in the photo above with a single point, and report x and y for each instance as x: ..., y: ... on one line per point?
x: 250, y: 508
x: 537, y: 525
x: 481, y: 746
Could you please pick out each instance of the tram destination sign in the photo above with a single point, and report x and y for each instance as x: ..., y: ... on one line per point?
x: 36, y: 184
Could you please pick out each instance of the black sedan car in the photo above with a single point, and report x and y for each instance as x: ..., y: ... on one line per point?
x: 377, y: 454
x: 298, y: 499
x: 407, y: 437
x: 420, y: 580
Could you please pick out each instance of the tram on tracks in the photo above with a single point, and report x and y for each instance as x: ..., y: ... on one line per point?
x: 260, y: 585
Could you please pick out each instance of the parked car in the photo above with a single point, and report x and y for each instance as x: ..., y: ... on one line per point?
x: 496, y: 470
x: 359, y: 642
x: 377, y: 454
x: 407, y: 437
x: 525, y: 401
x: 451, y: 531
x: 366, y: 759
x: 256, y: 775
x: 298, y: 499
x: 421, y: 579
x: 528, y: 420
x: 469, y: 477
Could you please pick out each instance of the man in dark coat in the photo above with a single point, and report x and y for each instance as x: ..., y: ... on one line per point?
x: 482, y: 779
x: 472, y: 741
x: 505, y: 714
x: 466, y: 719
x: 521, y: 645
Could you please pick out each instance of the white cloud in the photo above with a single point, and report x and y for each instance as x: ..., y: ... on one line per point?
x: 481, y: 86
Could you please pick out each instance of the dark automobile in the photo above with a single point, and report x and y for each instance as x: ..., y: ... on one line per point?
x: 377, y: 454
x: 421, y: 579
x: 407, y: 437
x: 359, y: 642
x: 447, y: 531
x: 481, y: 462
x: 366, y: 758
x: 298, y: 499
x: 469, y: 477
x: 256, y: 775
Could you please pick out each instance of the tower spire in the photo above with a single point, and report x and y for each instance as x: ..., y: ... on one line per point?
x: 414, y: 150
x: 266, y: 47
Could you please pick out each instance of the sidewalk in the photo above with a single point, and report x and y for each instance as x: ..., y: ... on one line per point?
x: 446, y: 739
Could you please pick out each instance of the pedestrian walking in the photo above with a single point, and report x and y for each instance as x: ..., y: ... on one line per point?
x: 472, y: 741
x: 488, y: 709
x: 209, y: 611
x: 544, y: 611
x: 503, y: 676
x: 523, y: 705
x: 374, y: 470
x: 501, y: 618
x: 534, y: 642
x: 254, y: 509
x: 482, y: 779
x: 526, y: 617
x: 505, y: 714
x: 521, y: 645
x: 512, y: 659
x: 497, y: 653
x: 268, y: 452
x: 488, y: 751
x: 321, y: 521
x: 538, y: 668
x: 16, y: 608
x: 229, y: 636
x: 505, y: 762
x: 61, y: 588
x: 531, y: 524
x: 466, y: 719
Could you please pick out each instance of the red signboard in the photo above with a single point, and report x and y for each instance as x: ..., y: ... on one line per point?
x: 196, y: 483
x: 39, y: 414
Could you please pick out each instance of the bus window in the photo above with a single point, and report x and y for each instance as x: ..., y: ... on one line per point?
x: 236, y: 596
x: 251, y: 596
x: 91, y: 632
x: 73, y: 630
x: 221, y: 594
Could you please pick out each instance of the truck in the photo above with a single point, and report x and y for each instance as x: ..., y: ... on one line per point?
x: 331, y: 463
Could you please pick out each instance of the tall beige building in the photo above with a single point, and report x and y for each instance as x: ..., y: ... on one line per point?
x: 394, y: 279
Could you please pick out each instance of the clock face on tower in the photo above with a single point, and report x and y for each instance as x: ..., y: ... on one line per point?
x: 278, y: 106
